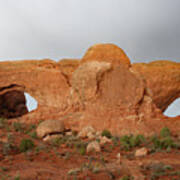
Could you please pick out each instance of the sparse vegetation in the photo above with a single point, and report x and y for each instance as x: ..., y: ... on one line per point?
x: 164, y: 141
x: 18, y: 127
x: 106, y: 133
x: 26, y: 145
x: 165, y: 132
x: 128, y: 142
x: 81, y: 147
x: 9, y: 146
x: 33, y: 135
x: 127, y: 178
x: 3, y: 122
x: 91, y: 164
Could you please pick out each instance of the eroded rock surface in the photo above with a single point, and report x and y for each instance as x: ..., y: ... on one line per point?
x: 106, y: 53
x: 162, y: 79
x: 41, y: 79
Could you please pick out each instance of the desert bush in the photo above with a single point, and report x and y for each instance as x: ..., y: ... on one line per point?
x: 33, y: 134
x: 18, y: 127
x: 106, y: 133
x: 128, y: 142
x: 115, y: 140
x: 165, y: 143
x: 165, y: 132
x: 9, y: 147
x: 81, y: 147
x: 127, y: 178
x: 26, y: 145
x: 158, y: 170
x: 3, y: 122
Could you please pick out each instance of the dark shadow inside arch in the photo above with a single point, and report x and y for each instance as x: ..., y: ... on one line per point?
x: 173, y: 109
x: 15, y: 103
x: 12, y: 104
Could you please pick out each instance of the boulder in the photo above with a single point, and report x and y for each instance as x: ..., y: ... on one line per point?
x: 50, y: 127
x: 93, y: 146
x: 141, y: 152
x: 86, y: 132
x: 106, y: 53
x: 104, y: 140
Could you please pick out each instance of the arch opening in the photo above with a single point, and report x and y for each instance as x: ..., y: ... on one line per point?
x: 173, y: 109
x: 31, y: 102
x: 12, y: 104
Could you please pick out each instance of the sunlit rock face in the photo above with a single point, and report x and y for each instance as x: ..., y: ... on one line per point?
x: 102, y: 90
x: 162, y: 79
x: 107, y: 53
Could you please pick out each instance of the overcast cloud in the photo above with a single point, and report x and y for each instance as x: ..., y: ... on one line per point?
x: 34, y: 29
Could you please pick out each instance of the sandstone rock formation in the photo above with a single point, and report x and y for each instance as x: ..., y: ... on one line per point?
x: 118, y: 101
x: 68, y: 66
x: 41, y: 79
x: 162, y: 79
x: 106, y: 53
x: 101, y: 91
x: 50, y: 127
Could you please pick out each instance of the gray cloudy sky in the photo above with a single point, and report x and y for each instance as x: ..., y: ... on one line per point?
x: 35, y: 29
x: 145, y: 29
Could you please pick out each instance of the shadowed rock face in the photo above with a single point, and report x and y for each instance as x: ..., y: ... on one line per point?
x: 12, y: 104
x: 163, y: 80
x: 101, y: 91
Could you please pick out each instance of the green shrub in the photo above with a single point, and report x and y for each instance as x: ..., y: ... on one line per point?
x: 18, y: 127
x: 30, y: 128
x: 165, y: 132
x: 3, y: 122
x: 163, y: 143
x: 115, y: 140
x: 33, y: 135
x: 106, y: 133
x: 127, y: 178
x: 159, y: 170
x: 81, y: 147
x: 58, y: 141
x: 9, y: 146
x: 128, y: 142
x: 26, y: 145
